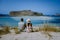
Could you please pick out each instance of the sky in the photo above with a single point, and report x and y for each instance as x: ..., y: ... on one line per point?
x: 47, y: 7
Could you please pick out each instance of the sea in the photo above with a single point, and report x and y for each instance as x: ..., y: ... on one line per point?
x: 35, y: 20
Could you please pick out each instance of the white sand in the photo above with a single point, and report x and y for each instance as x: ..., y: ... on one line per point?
x: 31, y: 36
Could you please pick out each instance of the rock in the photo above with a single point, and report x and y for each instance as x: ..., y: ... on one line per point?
x: 25, y: 13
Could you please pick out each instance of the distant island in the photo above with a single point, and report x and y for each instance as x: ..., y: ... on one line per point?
x: 4, y: 15
x: 57, y: 14
x: 25, y: 13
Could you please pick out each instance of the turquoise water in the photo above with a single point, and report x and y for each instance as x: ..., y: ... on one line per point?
x: 36, y: 20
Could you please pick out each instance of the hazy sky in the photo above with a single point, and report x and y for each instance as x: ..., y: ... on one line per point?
x: 45, y: 6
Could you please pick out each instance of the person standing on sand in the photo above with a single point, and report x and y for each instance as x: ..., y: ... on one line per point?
x: 29, y: 26
x: 21, y: 24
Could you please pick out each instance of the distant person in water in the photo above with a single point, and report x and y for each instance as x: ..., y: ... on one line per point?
x: 21, y: 24
x: 29, y: 26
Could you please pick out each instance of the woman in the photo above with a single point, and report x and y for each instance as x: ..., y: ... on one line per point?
x: 29, y: 26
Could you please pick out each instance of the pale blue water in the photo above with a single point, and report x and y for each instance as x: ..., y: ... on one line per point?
x: 36, y: 20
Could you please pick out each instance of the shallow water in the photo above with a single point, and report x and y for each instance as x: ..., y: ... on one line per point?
x: 36, y: 20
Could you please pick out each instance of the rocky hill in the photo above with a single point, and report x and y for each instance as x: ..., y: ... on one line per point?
x: 57, y: 14
x: 25, y: 13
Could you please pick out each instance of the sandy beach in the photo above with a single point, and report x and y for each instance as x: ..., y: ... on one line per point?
x: 31, y: 36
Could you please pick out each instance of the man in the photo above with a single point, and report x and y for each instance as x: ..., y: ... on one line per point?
x: 21, y: 24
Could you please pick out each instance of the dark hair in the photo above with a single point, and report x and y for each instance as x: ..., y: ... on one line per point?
x: 22, y: 19
x: 29, y: 24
